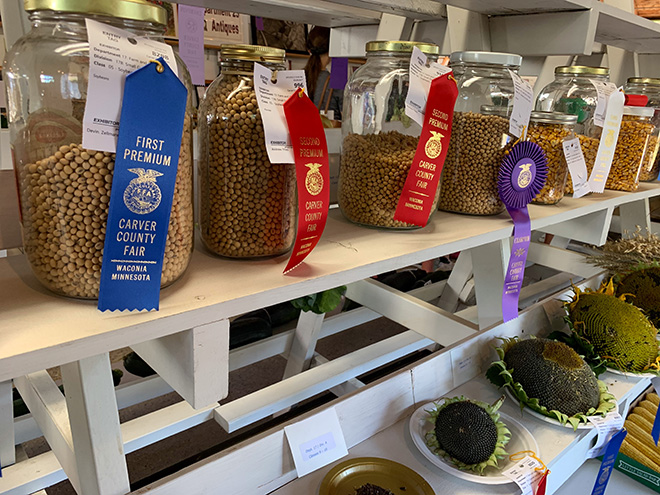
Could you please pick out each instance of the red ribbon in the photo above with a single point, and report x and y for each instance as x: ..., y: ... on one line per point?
x: 542, y: 482
x: 311, y: 154
x: 419, y: 190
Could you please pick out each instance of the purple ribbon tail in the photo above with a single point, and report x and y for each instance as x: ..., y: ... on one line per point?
x: 522, y: 231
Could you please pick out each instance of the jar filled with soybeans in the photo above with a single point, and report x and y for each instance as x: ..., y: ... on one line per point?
x: 549, y: 130
x: 480, y: 132
x: 649, y: 87
x: 248, y: 206
x: 63, y: 188
x: 378, y: 138
x: 574, y: 92
x: 634, y: 135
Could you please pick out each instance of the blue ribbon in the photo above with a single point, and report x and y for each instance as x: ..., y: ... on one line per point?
x: 655, y: 432
x: 143, y: 181
x: 606, y: 467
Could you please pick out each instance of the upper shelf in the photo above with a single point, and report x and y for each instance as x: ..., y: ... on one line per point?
x: 514, y: 7
x: 39, y: 330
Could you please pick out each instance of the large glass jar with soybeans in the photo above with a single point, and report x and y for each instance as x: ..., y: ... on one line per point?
x: 64, y: 189
x: 248, y: 206
x: 650, y: 87
x: 574, y: 92
x: 480, y: 132
x: 378, y: 138
x: 549, y: 130
x: 633, y: 143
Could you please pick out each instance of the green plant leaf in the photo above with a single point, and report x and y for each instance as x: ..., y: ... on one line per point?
x: 321, y: 302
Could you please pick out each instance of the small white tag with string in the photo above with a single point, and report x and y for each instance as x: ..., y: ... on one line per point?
x: 606, y: 426
x: 525, y: 474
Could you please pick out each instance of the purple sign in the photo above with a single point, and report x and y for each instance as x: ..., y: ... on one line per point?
x: 522, y: 176
x: 191, y: 41
x: 259, y: 23
x: 339, y: 74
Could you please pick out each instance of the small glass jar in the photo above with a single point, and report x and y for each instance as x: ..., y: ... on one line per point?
x: 636, y: 130
x: 480, y: 132
x: 549, y: 130
x: 248, y: 206
x: 378, y: 139
x: 650, y: 87
x: 573, y: 93
x: 64, y: 189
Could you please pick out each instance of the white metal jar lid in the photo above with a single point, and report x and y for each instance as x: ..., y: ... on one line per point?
x: 489, y: 58
x: 638, y: 111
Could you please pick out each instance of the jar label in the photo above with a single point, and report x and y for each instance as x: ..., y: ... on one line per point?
x: 420, y: 77
x: 312, y: 174
x: 608, y: 140
x: 603, y: 92
x: 577, y: 167
x: 523, y: 100
x: 113, y: 53
x: 421, y: 186
x: 142, y: 188
x: 273, y: 88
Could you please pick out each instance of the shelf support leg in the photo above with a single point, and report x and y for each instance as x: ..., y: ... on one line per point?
x: 302, y: 348
x: 459, y: 276
x: 489, y: 263
x: 633, y: 215
x: 96, y: 436
x: 7, y: 437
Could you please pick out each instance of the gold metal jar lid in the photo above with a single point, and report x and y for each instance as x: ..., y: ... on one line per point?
x: 653, y: 81
x: 252, y: 52
x: 553, y: 118
x: 402, y: 47
x: 582, y: 70
x: 136, y: 10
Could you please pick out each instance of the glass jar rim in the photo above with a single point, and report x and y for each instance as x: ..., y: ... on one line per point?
x: 652, y: 81
x: 582, y: 70
x: 553, y: 118
x: 486, y: 58
x: 402, y: 47
x: 255, y: 53
x: 136, y: 10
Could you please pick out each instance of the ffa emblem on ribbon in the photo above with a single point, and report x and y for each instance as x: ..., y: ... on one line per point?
x: 142, y: 195
x: 314, y: 179
x: 525, y: 176
x: 433, y: 146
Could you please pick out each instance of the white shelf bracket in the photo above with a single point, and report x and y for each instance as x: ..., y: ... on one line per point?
x: 94, y: 421
x: 458, y: 278
x: 7, y: 436
x: 634, y: 215
x: 302, y: 348
x: 489, y: 263
x: 591, y: 229
x: 394, y: 27
x: 194, y: 362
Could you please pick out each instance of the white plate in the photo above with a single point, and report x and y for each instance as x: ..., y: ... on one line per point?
x: 547, y: 419
x: 521, y: 439
x: 632, y: 374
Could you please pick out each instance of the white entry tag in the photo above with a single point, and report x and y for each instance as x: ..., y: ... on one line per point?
x: 608, y: 140
x: 113, y: 54
x: 316, y: 442
x: 271, y: 95
x: 603, y: 90
x: 606, y: 426
x: 523, y: 100
x: 577, y: 167
x: 524, y: 474
x: 420, y: 84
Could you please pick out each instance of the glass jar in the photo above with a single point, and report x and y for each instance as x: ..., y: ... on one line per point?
x: 651, y: 88
x: 378, y: 138
x: 64, y: 189
x: 480, y: 132
x: 573, y: 93
x: 636, y: 130
x: 549, y: 130
x: 248, y: 206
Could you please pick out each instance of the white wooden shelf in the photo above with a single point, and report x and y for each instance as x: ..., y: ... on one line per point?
x: 39, y: 330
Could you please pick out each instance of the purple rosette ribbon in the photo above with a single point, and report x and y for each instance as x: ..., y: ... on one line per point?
x: 522, y: 176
